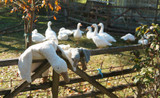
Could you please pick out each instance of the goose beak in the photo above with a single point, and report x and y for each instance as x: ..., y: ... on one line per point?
x: 91, y: 26
x: 86, y: 29
x: 65, y: 76
x: 80, y: 24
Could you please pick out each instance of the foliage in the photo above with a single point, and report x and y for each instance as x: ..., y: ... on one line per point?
x: 149, y: 62
x: 29, y: 7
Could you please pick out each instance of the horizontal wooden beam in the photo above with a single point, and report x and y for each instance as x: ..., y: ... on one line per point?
x: 94, y: 93
x: 74, y: 80
x: 110, y: 50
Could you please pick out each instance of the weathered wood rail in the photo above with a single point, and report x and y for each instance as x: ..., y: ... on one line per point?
x: 10, y: 92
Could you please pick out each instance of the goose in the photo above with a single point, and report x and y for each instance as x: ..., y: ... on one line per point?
x: 45, y: 50
x: 77, y: 33
x: 106, y: 36
x: 66, y: 31
x: 49, y: 33
x: 89, y: 34
x: 99, y: 40
x: 37, y: 37
x: 143, y: 41
x: 62, y: 36
x: 128, y: 37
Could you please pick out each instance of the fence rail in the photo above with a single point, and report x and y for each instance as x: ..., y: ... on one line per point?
x: 84, y: 76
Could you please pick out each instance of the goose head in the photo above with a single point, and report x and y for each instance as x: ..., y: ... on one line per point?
x: 89, y: 28
x: 49, y: 23
x: 100, y: 24
x: 79, y: 25
x: 95, y: 28
x: 61, y: 29
x: 35, y: 31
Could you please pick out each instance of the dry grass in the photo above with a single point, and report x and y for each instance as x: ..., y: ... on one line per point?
x: 12, y: 45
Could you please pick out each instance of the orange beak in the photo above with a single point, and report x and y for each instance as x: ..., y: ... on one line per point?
x: 65, y: 76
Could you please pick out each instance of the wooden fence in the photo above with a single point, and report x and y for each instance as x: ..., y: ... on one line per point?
x: 116, y: 17
x: 22, y: 87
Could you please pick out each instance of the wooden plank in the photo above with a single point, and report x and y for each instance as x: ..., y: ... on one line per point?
x: 14, y: 61
x: 47, y: 85
x: 94, y: 93
x: 115, y: 49
x: 110, y: 50
x: 55, y: 84
x: 94, y: 83
x: 14, y: 91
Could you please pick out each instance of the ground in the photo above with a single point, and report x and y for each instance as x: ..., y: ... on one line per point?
x: 12, y: 45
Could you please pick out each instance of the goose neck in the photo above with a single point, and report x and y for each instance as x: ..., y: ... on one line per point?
x: 102, y: 29
x: 49, y: 26
x: 95, y: 30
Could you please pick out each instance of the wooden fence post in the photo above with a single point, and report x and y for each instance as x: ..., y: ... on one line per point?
x: 55, y: 84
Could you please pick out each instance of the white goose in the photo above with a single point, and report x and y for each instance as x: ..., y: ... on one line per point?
x: 89, y: 34
x: 99, y: 40
x: 62, y: 35
x: 108, y: 37
x: 66, y: 31
x: 77, y: 33
x: 37, y: 37
x: 50, y: 34
x: 143, y: 41
x: 128, y: 37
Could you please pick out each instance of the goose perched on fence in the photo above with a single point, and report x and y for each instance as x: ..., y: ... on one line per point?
x: 45, y: 50
x: 89, y: 34
x: 128, y: 37
x: 37, y: 37
x: 99, y: 40
x: 105, y: 35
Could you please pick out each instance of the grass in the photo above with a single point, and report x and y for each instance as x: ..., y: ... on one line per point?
x: 12, y: 45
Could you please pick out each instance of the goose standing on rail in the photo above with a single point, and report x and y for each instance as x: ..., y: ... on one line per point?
x: 99, y: 40
x: 50, y: 34
x: 37, y: 37
x: 89, y: 34
x: 105, y: 35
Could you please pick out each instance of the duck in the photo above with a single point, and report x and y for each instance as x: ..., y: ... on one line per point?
x: 66, y: 31
x: 105, y: 35
x: 37, y: 37
x: 143, y: 41
x: 77, y: 33
x: 89, y: 34
x: 128, y: 37
x: 99, y: 41
x: 50, y: 34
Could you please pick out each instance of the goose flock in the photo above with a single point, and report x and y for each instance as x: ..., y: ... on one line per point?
x: 100, y: 39
x: 48, y: 45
